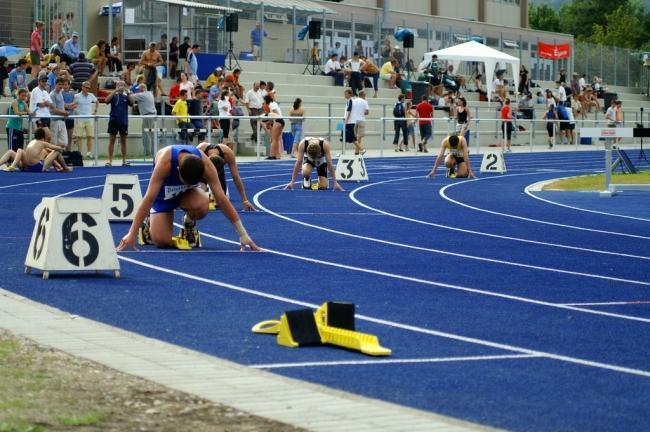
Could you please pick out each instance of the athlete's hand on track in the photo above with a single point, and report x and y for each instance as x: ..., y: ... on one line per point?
x: 127, y: 242
x: 247, y: 241
x: 248, y: 206
x: 289, y: 186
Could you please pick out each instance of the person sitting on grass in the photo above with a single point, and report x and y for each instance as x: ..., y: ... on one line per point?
x: 457, y: 160
x: 38, y: 156
x: 314, y: 153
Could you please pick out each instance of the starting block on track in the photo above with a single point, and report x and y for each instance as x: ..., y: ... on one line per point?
x: 333, y: 323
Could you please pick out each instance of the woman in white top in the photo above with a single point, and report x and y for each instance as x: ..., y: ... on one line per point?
x: 224, y: 114
x: 187, y: 85
x: 274, y: 127
x: 356, y: 80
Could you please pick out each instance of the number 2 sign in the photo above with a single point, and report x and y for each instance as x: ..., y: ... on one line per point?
x: 493, y: 162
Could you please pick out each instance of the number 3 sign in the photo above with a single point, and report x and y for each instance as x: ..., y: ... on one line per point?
x: 71, y: 234
x: 493, y: 162
x: 121, y: 197
x: 351, y: 168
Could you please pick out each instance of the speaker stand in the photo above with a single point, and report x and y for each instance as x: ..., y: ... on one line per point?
x: 409, y: 72
x: 313, y: 64
x: 230, y: 55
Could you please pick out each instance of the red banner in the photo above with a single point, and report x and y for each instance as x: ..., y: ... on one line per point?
x: 554, y: 52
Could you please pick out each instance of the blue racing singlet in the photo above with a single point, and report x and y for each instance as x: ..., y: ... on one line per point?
x: 173, y: 187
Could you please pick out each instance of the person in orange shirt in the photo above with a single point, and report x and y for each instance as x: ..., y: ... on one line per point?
x: 232, y: 81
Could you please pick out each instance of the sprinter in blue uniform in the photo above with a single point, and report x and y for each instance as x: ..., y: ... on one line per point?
x: 175, y: 182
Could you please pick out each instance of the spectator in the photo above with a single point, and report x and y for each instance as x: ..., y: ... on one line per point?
x: 425, y: 114
x: 97, y: 56
x: 550, y: 116
x: 185, y: 84
x: 524, y: 85
x: 225, y: 108
x: 146, y: 107
x: 40, y: 104
x: 83, y: 71
x: 561, y: 76
x: 19, y: 107
x: 499, y: 88
x: 356, y: 81
x: 550, y: 98
x: 410, y: 124
x: 540, y: 98
x: 398, y: 55
x: 463, y: 119
x: 480, y: 88
x: 118, y: 122
x: 582, y: 82
x: 135, y: 88
x: 386, y: 50
x: 333, y: 68
x: 360, y: 111
x: 193, y: 62
x: 389, y: 74
x: 56, y: 27
x: 195, y: 109
x: 18, y: 77
x: 162, y: 47
x: 561, y: 93
x: 257, y: 37
x: 349, y: 121
x: 575, y: 87
x: 506, y: 125
x: 70, y: 105
x: 71, y: 47
x: 399, y: 111
x: 369, y: 69
x: 296, y: 125
x: 4, y: 74
x: 174, y: 94
x: 232, y: 82
x: 459, y: 80
x: 274, y: 127
x: 590, y: 100
x: 336, y: 49
x: 58, y: 45
x: 182, y: 54
x: 57, y: 126
x: 68, y: 25
x: 254, y: 101
x: 173, y: 57
x: 114, y: 60
x: 36, y: 47
x: 85, y: 127
x: 216, y: 77
x: 127, y: 75
x: 151, y: 59
x: 180, y: 110
x: 359, y: 48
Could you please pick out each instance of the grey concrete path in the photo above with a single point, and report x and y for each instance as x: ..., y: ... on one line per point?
x: 258, y: 392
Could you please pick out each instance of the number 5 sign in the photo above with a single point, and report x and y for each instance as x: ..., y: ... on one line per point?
x: 493, y: 162
x: 71, y: 234
x: 351, y: 168
x: 121, y: 197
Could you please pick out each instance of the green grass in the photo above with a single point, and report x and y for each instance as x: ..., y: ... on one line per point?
x: 89, y: 419
x: 7, y: 347
x: 597, y: 182
x: 30, y: 428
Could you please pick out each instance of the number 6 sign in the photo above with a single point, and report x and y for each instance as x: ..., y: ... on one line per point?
x: 71, y: 234
x: 121, y: 197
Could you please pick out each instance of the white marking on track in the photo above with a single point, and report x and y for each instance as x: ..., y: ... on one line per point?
x: 393, y: 361
x: 631, y: 302
x: 472, y: 340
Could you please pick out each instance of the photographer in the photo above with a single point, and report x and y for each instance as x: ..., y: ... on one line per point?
x: 118, y: 122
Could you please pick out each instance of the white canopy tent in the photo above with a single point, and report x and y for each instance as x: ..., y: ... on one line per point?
x: 476, y: 52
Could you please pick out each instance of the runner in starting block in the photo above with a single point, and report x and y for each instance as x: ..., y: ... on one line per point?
x: 220, y: 155
x: 314, y: 153
x: 457, y: 160
x: 176, y: 182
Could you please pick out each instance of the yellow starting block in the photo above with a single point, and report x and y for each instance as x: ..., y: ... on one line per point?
x: 333, y: 323
x: 180, y: 243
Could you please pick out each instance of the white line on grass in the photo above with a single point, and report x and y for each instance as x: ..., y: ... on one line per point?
x: 482, y: 233
x: 440, y: 251
x: 476, y: 341
x: 393, y: 361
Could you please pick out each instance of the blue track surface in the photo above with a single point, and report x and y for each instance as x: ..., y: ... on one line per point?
x: 501, y: 308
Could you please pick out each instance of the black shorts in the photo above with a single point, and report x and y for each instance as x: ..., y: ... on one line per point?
x: 115, y: 128
x: 507, y: 128
x: 564, y: 125
x: 280, y: 122
x: 320, y: 169
x: 15, y: 138
x: 224, y: 124
x: 69, y: 124
x: 349, y: 133
x: 550, y: 129
x: 43, y: 122
x: 459, y: 159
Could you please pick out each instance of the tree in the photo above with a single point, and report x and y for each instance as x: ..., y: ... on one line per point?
x: 579, y: 16
x: 543, y: 17
x: 624, y: 27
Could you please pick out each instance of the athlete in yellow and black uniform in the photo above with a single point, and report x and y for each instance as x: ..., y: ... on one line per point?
x: 457, y: 160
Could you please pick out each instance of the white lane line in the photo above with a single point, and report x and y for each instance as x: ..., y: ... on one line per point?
x: 530, y: 193
x: 58, y: 180
x: 440, y: 251
x: 435, y: 284
x: 354, y: 199
x: 443, y: 194
x: 393, y: 361
x: 476, y: 341
x: 631, y: 302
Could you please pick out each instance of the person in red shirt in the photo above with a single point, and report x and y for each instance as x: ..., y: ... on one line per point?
x: 506, y: 125
x: 174, y: 94
x: 425, y: 113
x: 36, y: 48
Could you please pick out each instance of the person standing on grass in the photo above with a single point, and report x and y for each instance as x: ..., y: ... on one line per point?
x: 457, y: 159
x: 85, y: 127
x: 118, y: 122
